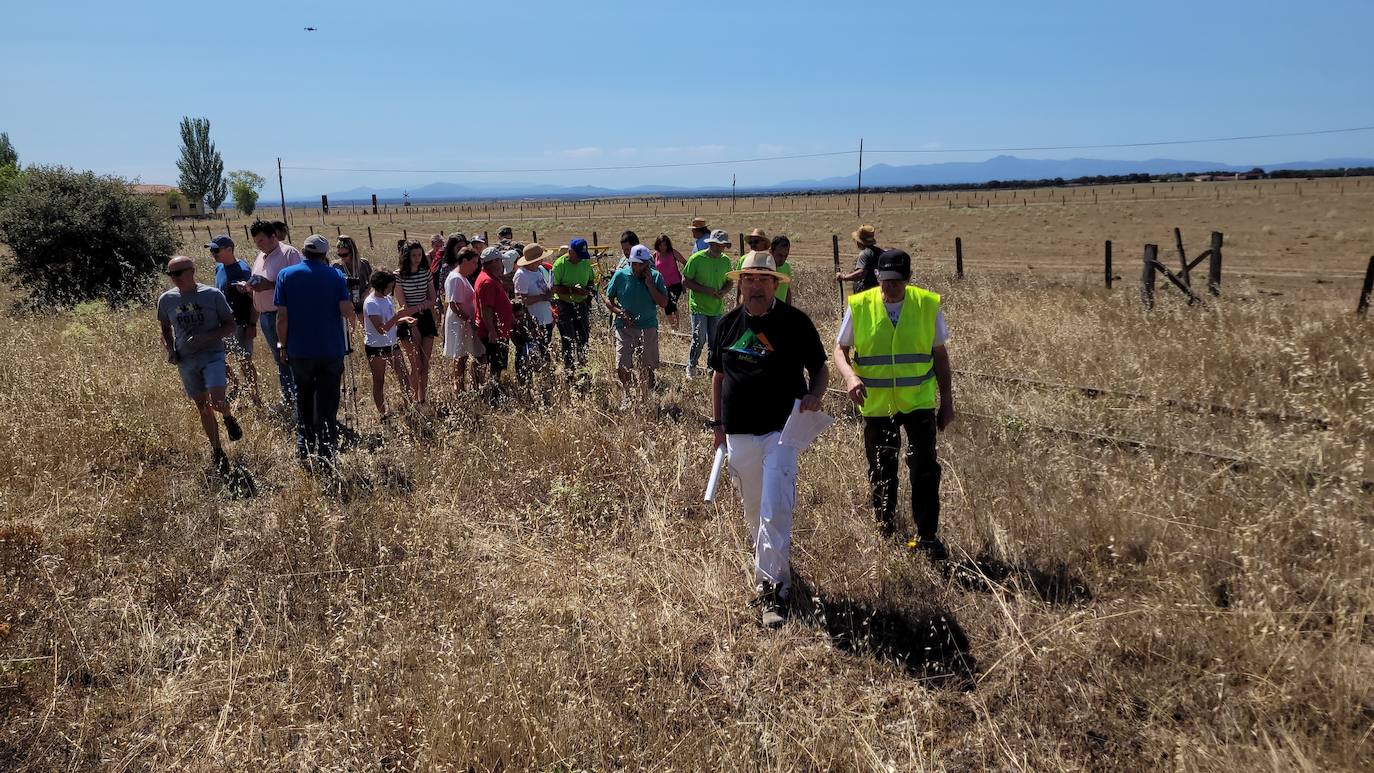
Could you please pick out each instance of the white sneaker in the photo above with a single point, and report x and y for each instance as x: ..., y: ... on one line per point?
x: 691, y: 372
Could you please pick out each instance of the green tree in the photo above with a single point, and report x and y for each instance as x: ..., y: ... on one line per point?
x: 244, y: 185
x: 76, y: 236
x: 8, y: 155
x: 200, y: 165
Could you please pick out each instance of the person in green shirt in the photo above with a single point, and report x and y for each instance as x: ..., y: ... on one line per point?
x: 707, y: 286
x: 779, y: 249
x: 574, y: 281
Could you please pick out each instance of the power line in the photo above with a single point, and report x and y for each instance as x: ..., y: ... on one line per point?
x: 922, y: 151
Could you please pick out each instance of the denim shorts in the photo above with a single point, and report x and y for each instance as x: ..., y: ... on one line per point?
x: 202, y: 372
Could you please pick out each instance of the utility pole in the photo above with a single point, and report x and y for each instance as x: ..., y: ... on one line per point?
x: 859, y: 189
x: 732, y: 193
x: 282, y: 190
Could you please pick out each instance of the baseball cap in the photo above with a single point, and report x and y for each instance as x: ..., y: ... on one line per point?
x: 578, y: 247
x: 316, y: 244
x: 477, y: 238
x: 640, y: 254
x: 894, y: 264
x: 490, y: 254
x: 718, y: 236
x: 220, y: 242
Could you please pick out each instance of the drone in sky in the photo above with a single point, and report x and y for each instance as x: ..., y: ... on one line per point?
x: 310, y: 29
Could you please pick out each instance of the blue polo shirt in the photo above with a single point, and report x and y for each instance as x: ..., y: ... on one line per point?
x: 310, y: 292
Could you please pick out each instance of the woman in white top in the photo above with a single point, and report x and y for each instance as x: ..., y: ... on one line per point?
x: 380, y: 320
x: 460, y: 319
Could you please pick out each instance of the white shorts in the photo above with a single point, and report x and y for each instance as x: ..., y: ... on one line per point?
x: 460, y: 338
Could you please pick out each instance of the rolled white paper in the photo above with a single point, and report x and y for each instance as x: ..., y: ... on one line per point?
x: 715, y: 473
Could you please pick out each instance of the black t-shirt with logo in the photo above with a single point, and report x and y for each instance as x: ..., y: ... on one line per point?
x: 764, y: 361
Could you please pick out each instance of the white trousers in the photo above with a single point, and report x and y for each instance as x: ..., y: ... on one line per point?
x: 765, y: 475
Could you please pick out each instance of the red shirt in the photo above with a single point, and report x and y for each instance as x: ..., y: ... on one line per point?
x: 490, y: 293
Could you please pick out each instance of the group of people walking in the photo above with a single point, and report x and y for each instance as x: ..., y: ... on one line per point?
x: 764, y: 356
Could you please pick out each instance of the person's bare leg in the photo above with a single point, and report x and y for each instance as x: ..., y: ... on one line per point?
x: 378, y: 367
x: 426, y: 352
x: 398, y: 366
x: 250, y: 374
x: 409, y: 385
x: 220, y: 401
x: 208, y: 422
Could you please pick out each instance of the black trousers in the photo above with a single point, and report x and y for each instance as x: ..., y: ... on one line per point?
x: 318, y: 383
x: 882, y: 441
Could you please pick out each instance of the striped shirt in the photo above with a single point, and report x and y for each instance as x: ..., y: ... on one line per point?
x: 415, y: 287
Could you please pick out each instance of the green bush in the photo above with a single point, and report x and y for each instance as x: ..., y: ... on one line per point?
x: 79, y: 237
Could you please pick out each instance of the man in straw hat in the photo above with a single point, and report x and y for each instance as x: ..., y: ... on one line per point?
x: 767, y: 356
x: 699, y: 233
x: 757, y: 240
x: 634, y: 296
x: 896, y: 334
x: 865, y: 265
x: 195, y: 320
x: 707, y: 285
x: 779, y: 247
x: 534, y: 289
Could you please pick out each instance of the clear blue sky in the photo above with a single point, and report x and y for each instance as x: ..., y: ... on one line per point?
x: 446, y: 85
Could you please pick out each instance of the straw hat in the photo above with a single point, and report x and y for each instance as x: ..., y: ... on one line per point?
x: 533, y: 255
x: 756, y: 262
x: 866, y: 234
x: 699, y: 222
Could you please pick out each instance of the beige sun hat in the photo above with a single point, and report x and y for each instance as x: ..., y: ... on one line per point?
x: 533, y: 255
x: 866, y: 234
x: 755, y: 262
x: 700, y: 222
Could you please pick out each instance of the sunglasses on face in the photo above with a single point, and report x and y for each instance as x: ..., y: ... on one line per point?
x: 178, y: 271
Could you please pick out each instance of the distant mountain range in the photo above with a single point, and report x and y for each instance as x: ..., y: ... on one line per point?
x: 878, y: 176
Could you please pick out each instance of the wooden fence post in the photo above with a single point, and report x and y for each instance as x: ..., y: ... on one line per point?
x: 1363, y: 307
x: 1214, y: 265
x: 595, y: 240
x: 835, y: 245
x: 1185, y: 274
x: 369, y: 238
x: 1147, y: 276
x: 1107, y: 260
x: 405, y: 235
x: 534, y: 236
x: 246, y: 235
x: 958, y: 258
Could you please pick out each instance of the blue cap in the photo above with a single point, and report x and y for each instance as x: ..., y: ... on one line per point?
x: 578, y: 247
x: 220, y: 242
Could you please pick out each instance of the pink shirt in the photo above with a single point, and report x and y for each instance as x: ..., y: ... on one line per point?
x: 667, y: 265
x: 268, y: 265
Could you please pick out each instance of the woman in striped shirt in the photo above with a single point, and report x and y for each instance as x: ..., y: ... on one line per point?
x: 417, y: 293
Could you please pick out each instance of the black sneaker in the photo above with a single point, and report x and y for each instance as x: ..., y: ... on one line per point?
x: 772, y: 607
x: 932, y: 547
x: 231, y: 425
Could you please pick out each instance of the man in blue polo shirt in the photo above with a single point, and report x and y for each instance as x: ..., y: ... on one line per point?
x: 312, y: 303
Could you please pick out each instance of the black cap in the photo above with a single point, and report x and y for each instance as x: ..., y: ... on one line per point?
x: 506, y: 231
x: 894, y: 264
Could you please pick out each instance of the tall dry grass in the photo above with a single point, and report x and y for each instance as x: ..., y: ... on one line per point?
x: 542, y: 588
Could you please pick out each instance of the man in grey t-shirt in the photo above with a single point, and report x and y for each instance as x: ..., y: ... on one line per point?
x: 195, y: 320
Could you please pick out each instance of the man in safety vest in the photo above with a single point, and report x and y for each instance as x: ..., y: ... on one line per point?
x: 897, y: 336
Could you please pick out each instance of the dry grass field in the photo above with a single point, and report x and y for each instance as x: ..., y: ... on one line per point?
x: 542, y: 588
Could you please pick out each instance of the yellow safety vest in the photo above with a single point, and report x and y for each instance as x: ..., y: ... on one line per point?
x: 895, y: 362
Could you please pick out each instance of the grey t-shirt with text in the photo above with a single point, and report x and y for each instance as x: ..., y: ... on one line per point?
x: 194, y: 313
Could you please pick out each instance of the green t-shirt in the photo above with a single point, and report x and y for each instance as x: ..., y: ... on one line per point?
x: 785, y: 269
x: 708, y: 272
x: 565, y: 272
